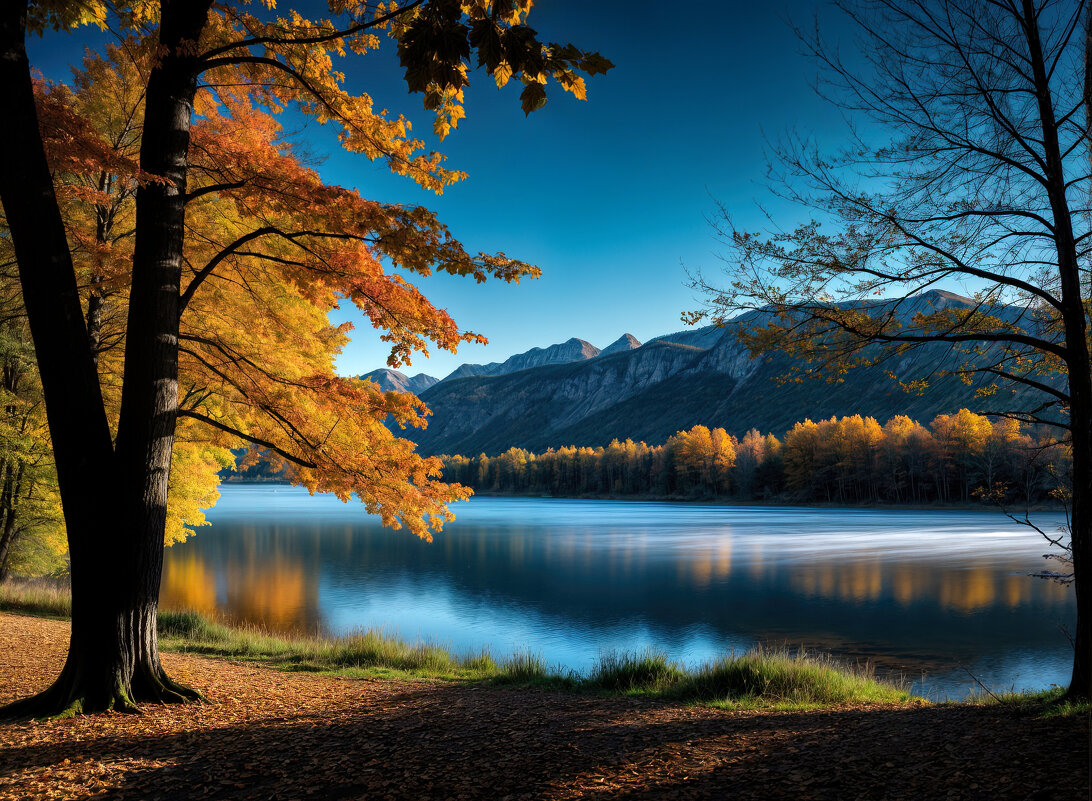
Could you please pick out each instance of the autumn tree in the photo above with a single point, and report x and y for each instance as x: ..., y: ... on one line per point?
x: 966, y: 458
x: 959, y: 437
x: 800, y: 455
x: 983, y: 180
x: 906, y: 448
x: 208, y: 293
x: 31, y: 531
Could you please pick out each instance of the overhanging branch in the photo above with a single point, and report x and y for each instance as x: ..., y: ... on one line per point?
x: 248, y: 437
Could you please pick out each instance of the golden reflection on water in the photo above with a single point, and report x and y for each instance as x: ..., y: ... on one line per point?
x: 261, y: 586
x: 701, y: 567
x: 189, y: 583
x: 270, y: 575
x: 276, y: 592
x: 964, y: 589
x: 1017, y: 590
x: 907, y: 584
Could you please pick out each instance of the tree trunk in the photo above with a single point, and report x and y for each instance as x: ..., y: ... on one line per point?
x: 149, y: 399
x: 1080, y: 684
x: 9, y: 501
x: 114, y: 500
x: 1078, y: 363
x: 113, y: 658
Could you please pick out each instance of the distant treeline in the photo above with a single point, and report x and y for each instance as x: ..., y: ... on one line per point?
x: 854, y: 459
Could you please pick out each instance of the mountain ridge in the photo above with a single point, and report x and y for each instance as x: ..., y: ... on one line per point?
x: 395, y: 381
x: 623, y: 343
x: 572, y: 349
x: 679, y: 380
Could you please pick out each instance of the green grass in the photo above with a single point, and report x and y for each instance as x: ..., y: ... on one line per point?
x: 759, y: 678
x: 369, y: 652
x: 646, y: 672
x: 1045, y: 703
x: 788, y: 681
x: 756, y: 679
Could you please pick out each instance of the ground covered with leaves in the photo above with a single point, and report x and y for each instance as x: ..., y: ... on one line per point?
x: 271, y: 734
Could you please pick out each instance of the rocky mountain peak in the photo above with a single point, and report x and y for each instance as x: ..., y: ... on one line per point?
x: 571, y: 350
x: 395, y: 381
x: 623, y: 343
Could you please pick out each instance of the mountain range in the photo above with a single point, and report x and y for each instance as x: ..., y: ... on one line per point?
x: 572, y: 350
x: 394, y: 381
x: 573, y: 393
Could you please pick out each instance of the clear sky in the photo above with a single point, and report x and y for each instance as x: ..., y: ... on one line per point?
x: 609, y: 196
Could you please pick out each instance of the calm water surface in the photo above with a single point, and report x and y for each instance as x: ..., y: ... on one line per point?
x: 938, y: 593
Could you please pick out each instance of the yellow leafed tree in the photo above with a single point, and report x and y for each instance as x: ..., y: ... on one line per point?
x: 178, y: 261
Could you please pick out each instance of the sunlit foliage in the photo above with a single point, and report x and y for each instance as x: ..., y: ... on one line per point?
x: 271, y: 250
x: 959, y: 458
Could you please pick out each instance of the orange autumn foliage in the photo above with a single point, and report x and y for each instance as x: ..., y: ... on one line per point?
x: 271, y: 250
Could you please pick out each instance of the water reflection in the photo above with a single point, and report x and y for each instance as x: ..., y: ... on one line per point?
x: 571, y: 578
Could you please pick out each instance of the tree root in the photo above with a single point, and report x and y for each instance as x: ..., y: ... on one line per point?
x: 53, y: 703
x: 64, y: 701
x: 159, y: 688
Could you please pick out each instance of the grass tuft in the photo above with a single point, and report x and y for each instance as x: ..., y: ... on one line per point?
x: 648, y: 671
x: 361, y: 652
x: 189, y: 625
x: 788, y: 680
x: 1044, y: 703
x: 758, y: 678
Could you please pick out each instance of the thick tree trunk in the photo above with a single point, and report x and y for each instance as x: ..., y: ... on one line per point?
x: 149, y: 400
x: 1080, y: 685
x: 74, y: 408
x: 113, y: 658
x: 114, y: 500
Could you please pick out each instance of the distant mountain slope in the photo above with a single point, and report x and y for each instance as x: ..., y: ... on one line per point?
x: 623, y: 343
x: 395, y: 381
x: 571, y: 350
x: 704, y: 337
x: 679, y: 380
x: 757, y: 398
x: 491, y: 413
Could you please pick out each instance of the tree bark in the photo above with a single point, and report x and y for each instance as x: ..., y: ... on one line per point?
x: 149, y: 399
x: 114, y: 499
x: 9, y: 500
x: 1078, y: 362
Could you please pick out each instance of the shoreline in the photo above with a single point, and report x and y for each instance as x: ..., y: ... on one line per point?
x: 717, y: 500
x: 767, y: 676
x: 288, y: 734
x: 761, y: 678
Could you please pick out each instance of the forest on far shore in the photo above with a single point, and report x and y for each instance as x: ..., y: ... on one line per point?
x: 957, y: 458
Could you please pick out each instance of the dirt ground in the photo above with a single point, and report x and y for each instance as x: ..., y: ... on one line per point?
x: 276, y: 735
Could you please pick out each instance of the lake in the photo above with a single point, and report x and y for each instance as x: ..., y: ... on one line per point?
x: 933, y: 595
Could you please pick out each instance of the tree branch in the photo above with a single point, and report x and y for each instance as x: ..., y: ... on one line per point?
x: 248, y: 437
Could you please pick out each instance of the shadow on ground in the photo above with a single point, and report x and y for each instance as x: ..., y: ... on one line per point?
x: 441, y: 741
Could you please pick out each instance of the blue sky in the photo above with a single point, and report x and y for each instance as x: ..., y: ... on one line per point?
x: 610, y: 196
